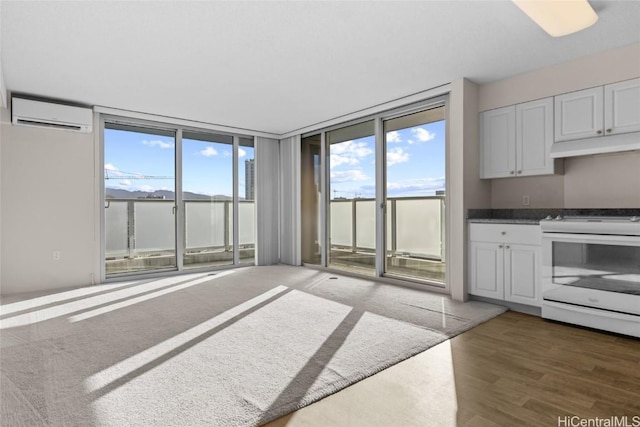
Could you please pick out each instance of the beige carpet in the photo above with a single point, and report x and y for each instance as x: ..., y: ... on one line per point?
x: 240, y: 347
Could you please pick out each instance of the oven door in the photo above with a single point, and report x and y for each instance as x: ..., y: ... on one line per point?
x: 596, y: 271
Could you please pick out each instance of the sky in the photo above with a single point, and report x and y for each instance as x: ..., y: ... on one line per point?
x: 207, y: 166
x: 415, y: 163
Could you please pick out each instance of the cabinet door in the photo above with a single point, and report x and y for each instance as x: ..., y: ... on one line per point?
x: 522, y: 277
x: 622, y: 107
x: 534, y: 136
x: 497, y: 140
x: 579, y: 114
x: 487, y: 270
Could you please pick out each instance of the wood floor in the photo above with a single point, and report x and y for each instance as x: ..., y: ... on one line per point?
x: 514, y: 370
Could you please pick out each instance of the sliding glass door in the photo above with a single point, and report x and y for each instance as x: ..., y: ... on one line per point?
x: 373, y: 195
x: 139, y: 181
x: 352, y: 190
x: 207, y: 194
x: 170, y: 196
x: 247, y: 201
x: 310, y: 200
x: 415, y: 194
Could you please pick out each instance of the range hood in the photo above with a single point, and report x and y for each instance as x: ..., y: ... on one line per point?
x: 597, y: 145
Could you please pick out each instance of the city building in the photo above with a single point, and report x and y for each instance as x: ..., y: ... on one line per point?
x: 249, y: 179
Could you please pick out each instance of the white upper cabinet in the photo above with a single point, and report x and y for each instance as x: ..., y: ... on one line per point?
x: 515, y: 140
x: 579, y: 114
x: 600, y: 111
x: 622, y: 107
x: 498, y: 140
x: 534, y: 137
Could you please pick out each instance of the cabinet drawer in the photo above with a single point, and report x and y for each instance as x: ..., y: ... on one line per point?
x: 505, y: 233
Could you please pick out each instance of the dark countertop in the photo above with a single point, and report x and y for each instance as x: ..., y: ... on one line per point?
x: 503, y: 221
x: 533, y: 216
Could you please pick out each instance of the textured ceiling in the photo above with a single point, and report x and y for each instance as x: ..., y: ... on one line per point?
x: 278, y: 66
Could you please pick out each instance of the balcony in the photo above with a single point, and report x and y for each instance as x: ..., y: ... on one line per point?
x: 415, y: 236
x: 140, y: 235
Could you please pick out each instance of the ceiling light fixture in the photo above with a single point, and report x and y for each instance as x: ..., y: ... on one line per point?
x: 559, y: 17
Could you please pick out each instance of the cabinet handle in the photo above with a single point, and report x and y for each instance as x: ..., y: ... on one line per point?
x: 609, y: 130
x: 599, y: 132
x: 507, y: 246
x: 511, y: 173
x: 500, y: 246
x: 503, y: 232
x: 519, y: 172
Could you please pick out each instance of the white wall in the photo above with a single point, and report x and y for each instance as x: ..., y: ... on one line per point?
x: 48, y: 204
x: 3, y: 87
x: 3, y: 105
x: 464, y: 188
x: 602, y: 181
x: 611, y: 180
x: 593, y: 70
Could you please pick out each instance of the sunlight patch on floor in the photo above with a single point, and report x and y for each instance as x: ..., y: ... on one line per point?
x: 136, y: 300
x: 85, y: 303
x: 416, y: 392
x: 127, y: 366
x: 33, y: 303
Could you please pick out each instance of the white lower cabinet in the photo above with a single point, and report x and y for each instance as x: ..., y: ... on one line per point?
x: 505, y: 262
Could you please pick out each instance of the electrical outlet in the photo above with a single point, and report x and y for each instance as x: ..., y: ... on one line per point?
x: 57, y: 255
x: 525, y: 201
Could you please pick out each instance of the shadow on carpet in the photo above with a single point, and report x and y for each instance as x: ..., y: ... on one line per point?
x: 237, y: 348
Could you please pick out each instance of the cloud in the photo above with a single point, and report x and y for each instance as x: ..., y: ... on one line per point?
x: 157, y: 143
x: 422, y: 134
x: 348, y: 153
x: 396, y: 155
x: 415, y: 187
x: 147, y: 188
x: 347, y: 176
x: 225, y: 153
x: 336, y: 160
x: 393, y: 136
x: 111, y: 171
x: 125, y: 182
x: 209, y: 151
x: 358, y: 149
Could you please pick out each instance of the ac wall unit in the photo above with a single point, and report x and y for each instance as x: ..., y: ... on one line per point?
x: 28, y: 112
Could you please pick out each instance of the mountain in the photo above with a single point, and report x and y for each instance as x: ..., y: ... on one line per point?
x: 118, y: 193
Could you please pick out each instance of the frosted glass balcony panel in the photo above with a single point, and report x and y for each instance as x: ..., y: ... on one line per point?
x: 115, y: 222
x: 154, y: 226
x: 419, y: 227
x: 341, y: 223
x: 366, y: 224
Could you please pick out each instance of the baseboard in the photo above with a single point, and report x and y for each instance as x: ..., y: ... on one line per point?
x: 521, y: 308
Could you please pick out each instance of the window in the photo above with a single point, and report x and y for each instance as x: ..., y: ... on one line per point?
x: 171, y: 197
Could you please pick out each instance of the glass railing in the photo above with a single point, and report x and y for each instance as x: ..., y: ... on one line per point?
x: 137, y: 228
x: 144, y: 229
x: 415, y: 226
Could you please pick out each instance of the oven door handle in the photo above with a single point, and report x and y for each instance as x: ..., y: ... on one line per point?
x: 593, y: 238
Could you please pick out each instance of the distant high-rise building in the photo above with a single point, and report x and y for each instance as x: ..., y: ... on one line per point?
x: 249, y: 179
